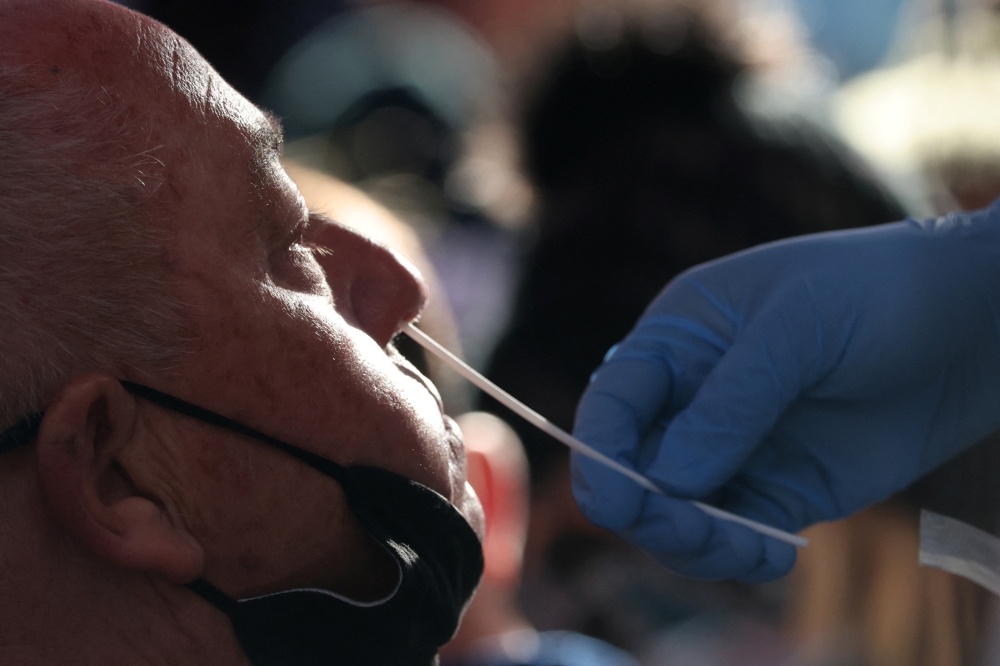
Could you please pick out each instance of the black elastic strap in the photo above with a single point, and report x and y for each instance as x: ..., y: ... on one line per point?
x: 167, y: 401
x: 21, y: 433
x: 25, y: 430
x: 213, y: 595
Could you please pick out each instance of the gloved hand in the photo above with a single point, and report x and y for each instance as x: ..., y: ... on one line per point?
x: 792, y: 383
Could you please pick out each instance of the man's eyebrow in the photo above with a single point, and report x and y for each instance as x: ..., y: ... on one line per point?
x: 269, y: 136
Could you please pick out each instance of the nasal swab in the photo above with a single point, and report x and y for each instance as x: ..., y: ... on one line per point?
x: 540, y: 422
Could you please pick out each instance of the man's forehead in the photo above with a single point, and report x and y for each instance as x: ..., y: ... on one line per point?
x: 107, y: 47
x: 94, y: 40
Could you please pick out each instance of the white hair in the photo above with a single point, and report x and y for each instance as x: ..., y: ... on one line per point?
x: 82, y: 270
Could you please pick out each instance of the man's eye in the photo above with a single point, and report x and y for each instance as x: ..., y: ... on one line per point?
x: 302, y: 242
x: 294, y: 265
x: 317, y: 249
x: 293, y: 239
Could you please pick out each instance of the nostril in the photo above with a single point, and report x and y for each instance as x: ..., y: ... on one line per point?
x: 385, y: 298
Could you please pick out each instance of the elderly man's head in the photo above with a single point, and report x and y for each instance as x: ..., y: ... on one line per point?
x: 148, y: 233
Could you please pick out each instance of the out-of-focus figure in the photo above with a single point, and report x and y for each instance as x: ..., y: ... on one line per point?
x: 494, y: 631
x: 646, y: 165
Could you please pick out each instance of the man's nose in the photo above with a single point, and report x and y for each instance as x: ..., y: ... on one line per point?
x: 374, y: 288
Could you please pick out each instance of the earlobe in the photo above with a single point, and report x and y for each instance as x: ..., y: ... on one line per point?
x: 83, y: 440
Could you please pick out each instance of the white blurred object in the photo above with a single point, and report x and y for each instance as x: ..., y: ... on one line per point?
x: 487, y: 176
x: 961, y: 549
x: 911, y: 113
x: 932, y: 120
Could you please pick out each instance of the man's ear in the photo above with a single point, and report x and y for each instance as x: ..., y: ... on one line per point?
x: 88, y: 427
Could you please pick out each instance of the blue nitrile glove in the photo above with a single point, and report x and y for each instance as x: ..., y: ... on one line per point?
x: 796, y: 382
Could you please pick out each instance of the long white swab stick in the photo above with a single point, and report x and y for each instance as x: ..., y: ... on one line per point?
x: 540, y: 422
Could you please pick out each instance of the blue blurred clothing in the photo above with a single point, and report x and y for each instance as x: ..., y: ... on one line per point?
x: 547, y: 648
x: 795, y: 382
x: 854, y: 34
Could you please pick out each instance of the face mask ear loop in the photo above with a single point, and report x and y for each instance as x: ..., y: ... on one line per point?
x: 167, y: 401
x: 214, y: 596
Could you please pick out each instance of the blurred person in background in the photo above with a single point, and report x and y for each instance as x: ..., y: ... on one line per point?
x: 388, y: 96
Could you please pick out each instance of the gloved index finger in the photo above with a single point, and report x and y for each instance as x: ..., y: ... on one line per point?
x: 621, y: 403
x: 613, y: 416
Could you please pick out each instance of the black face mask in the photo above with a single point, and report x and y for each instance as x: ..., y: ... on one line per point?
x: 439, y: 557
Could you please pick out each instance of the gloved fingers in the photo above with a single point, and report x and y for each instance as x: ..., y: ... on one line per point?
x: 778, y: 560
x: 773, y: 503
x: 656, y: 370
x: 633, y: 384
x: 686, y: 540
x: 735, y: 408
x: 607, y: 498
x: 686, y: 348
x: 678, y: 534
x: 613, y: 415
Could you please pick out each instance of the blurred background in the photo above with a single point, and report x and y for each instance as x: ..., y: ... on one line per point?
x: 550, y: 165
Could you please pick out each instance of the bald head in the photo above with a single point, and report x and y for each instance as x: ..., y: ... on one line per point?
x: 99, y: 43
